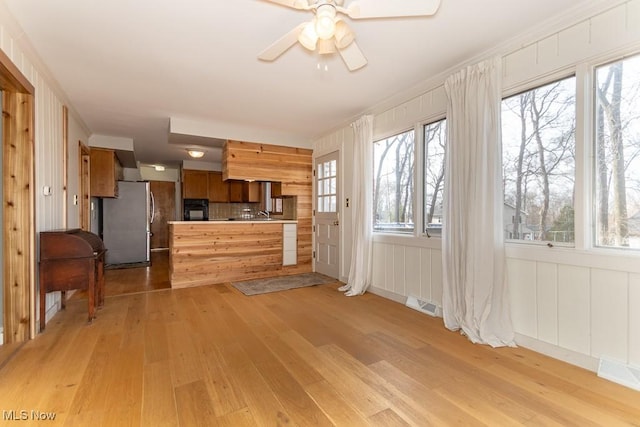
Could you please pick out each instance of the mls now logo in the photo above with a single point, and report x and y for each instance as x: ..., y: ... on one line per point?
x: 24, y: 415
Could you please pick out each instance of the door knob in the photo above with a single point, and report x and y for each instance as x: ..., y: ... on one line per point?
x: 336, y: 223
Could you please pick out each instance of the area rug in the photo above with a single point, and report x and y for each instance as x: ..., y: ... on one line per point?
x: 282, y: 283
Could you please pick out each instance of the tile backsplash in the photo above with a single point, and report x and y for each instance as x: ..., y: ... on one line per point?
x: 250, y: 210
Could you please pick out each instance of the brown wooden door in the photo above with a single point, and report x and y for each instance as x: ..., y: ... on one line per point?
x: 164, y: 196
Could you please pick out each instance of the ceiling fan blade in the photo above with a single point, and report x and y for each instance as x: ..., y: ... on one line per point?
x: 296, y: 4
x: 281, y: 45
x: 353, y: 57
x: 366, y: 9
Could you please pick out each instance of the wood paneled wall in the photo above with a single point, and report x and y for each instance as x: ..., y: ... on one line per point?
x: 289, y: 165
x: 204, y: 253
x: 18, y: 266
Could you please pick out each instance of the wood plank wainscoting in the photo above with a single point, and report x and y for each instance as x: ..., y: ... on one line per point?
x: 18, y: 204
x: 293, y: 167
x: 208, y: 252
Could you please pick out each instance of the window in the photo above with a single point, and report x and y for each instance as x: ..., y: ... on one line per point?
x: 393, y: 185
x: 327, y: 188
x: 617, y: 154
x: 538, y: 149
x: 435, y: 139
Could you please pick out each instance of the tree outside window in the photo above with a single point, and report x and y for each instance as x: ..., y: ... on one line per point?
x: 435, y: 140
x: 393, y: 189
x: 538, y: 148
x: 617, y: 154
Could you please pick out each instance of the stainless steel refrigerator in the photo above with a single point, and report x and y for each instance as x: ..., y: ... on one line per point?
x: 126, y: 224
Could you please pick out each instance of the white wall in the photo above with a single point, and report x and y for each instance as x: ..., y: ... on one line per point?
x: 575, y: 304
x: 49, y: 153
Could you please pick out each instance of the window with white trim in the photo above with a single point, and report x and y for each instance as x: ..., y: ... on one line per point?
x: 538, y: 150
x: 393, y: 188
x: 435, y: 141
x: 617, y: 154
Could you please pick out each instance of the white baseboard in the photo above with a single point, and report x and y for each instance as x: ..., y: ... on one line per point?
x: 563, y: 354
x: 387, y: 294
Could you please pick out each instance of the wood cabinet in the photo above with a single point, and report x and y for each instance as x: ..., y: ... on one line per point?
x: 195, y: 184
x: 251, y: 192
x: 276, y: 189
x: 218, y: 188
x: 105, y: 171
x: 236, y: 191
x: 209, y: 185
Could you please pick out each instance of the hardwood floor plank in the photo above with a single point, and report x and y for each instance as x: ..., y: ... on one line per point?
x: 185, y: 362
x: 225, y: 392
x: 158, y: 400
x: 240, y: 418
x: 334, y: 405
x: 590, y: 412
x: 263, y: 404
x: 213, y: 356
x: 362, y: 397
x: 387, y: 418
x: 403, y: 405
x: 194, y: 406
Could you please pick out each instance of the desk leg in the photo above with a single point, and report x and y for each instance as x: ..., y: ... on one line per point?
x: 91, y: 292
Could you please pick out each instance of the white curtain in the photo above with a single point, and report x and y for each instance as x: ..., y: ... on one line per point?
x: 475, y: 295
x: 361, y: 209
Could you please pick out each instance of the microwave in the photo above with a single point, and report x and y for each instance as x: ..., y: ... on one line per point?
x: 196, y: 209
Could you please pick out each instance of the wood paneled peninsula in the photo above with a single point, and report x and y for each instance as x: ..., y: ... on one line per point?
x: 210, y: 252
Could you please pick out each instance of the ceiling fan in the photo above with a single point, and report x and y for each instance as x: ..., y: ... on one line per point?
x: 328, y: 32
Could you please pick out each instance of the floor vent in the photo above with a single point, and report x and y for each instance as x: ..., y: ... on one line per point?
x: 426, y: 307
x: 619, y: 373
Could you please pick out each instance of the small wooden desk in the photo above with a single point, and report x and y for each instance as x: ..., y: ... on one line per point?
x: 71, y: 259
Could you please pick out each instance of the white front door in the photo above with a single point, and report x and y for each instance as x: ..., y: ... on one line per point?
x: 327, y: 229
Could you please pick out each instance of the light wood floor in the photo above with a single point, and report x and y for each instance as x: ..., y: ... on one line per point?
x: 311, y: 356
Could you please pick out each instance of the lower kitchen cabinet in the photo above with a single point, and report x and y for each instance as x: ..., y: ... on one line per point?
x: 289, y: 244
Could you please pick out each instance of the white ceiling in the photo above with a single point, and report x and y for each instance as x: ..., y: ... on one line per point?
x: 128, y: 66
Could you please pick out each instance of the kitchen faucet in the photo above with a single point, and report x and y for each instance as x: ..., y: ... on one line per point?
x: 265, y: 213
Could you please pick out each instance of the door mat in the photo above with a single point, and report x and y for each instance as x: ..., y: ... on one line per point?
x: 282, y: 283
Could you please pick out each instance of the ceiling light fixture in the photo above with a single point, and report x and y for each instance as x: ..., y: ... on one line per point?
x: 196, y: 154
x: 326, y: 21
x: 326, y: 32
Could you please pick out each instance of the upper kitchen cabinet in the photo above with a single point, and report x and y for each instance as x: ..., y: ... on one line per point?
x: 195, y: 184
x: 251, y: 192
x: 264, y: 162
x: 218, y: 188
x: 105, y: 172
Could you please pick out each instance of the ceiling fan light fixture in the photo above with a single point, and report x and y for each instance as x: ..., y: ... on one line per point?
x: 326, y: 47
x: 343, y: 34
x: 196, y: 154
x: 308, y: 36
x: 326, y: 21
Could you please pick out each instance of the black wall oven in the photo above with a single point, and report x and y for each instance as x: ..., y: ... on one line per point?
x: 196, y: 209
